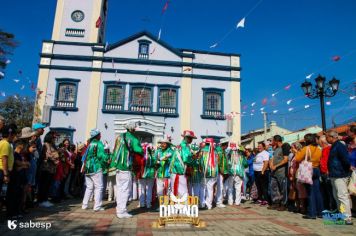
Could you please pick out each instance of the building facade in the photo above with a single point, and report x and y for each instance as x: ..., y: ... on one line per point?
x: 85, y: 83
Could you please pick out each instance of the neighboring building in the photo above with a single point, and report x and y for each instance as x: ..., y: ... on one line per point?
x: 256, y: 136
x: 299, y: 134
x: 84, y: 83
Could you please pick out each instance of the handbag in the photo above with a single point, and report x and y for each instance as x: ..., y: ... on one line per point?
x: 305, y: 170
x: 352, y: 184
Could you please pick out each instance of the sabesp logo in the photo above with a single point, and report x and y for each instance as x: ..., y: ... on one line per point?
x: 11, y: 224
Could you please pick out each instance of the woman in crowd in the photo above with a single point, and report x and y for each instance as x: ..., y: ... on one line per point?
x: 249, y: 173
x: 29, y: 154
x: 313, y: 152
x: 48, y: 164
x: 260, y: 165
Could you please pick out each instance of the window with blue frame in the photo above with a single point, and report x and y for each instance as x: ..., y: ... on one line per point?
x: 141, y: 99
x: 114, y: 97
x: 66, y: 94
x: 62, y: 134
x: 167, y: 100
x: 144, y: 49
x: 213, y: 102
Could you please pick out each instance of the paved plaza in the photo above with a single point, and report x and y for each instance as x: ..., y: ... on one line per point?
x: 69, y: 219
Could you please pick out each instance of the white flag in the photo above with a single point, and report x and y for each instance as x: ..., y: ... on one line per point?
x: 291, y: 109
x: 253, y: 104
x: 241, y: 23
x: 8, y: 62
x: 306, y: 106
x: 3, y: 94
x: 214, y: 45
x: 22, y: 87
x: 289, y: 101
x: 328, y: 103
x: 262, y: 109
x: 2, y: 74
x: 16, y: 80
x: 274, y: 94
x: 159, y: 34
x: 275, y: 111
x: 352, y: 97
x: 309, y: 76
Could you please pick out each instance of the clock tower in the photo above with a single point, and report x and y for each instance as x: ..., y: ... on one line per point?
x: 80, y: 21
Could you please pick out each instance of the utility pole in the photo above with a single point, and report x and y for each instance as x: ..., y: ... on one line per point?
x: 265, y: 125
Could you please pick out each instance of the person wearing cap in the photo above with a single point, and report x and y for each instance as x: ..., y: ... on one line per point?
x: 249, y: 173
x: 94, y: 159
x: 236, y: 165
x: 182, y: 158
x: 39, y: 129
x: 223, y: 172
x: 126, y: 146
x: 209, y: 167
x: 163, y: 157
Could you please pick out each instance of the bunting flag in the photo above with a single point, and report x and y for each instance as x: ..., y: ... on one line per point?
x: 352, y: 97
x: 336, y: 58
x: 8, y: 61
x: 214, y: 45
x: 159, y: 34
x: 289, y: 101
x: 252, y: 104
x: 2, y: 74
x: 16, y: 80
x: 287, y: 87
x: 165, y: 7
x: 241, y: 23
x: 264, y: 101
x: 262, y: 109
x: 3, y: 94
x: 274, y: 94
x: 275, y: 111
x: 309, y: 76
x: 328, y: 103
x: 98, y: 22
x: 291, y: 109
x: 22, y: 87
x: 251, y: 114
x: 253, y: 110
x: 306, y: 106
x: 244, y: 107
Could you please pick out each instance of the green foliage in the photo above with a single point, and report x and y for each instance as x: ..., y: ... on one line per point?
x: 18, y: 110
x: 7, y: 45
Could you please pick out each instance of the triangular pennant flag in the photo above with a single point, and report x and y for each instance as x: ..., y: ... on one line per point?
x: 289, y: 101
x: 252, y: 104
x: 241, y: 23
x: 306, y: 106
x: 275, y: 111
x: 287, y: 87
x: 165, y: 7
x: 98, y: 22
x: 309, y: 76
x: 328, y: 103
x: 274, y: 94
x: 336, y: 58
x: 291, y: 109
x: 159, y: 34
x: 2, y: 74
x: 264, y: 101
x: 352, y: 97
x: 262, y: 109
x: 214, y: 45
x: 16, y: 80
x: 7, y: 61
x: 22, y: 87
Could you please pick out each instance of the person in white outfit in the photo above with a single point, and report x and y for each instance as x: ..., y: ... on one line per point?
x: 222, y: 183
x: 127, y: 147
x: 94, y: 161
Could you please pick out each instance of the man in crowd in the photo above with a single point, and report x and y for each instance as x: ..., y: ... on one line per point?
x: 339, y: 173
x: 126, y: 146
x: 278, y: 166
x: 181, y: 160
x: 222, y: 183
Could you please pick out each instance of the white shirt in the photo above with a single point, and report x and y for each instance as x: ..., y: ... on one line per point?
x: 259, y: 159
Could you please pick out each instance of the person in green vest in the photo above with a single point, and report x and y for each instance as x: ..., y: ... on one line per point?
x: 163, y: 157
x: 182, y: 158
x: 126, y: 146
x: 112, y: 178
x: 236, y: 166
x: 147, y: 177
x: 223, y: 172
x: 209, y: 167
x: 194, y: 175
x: 94, y: 161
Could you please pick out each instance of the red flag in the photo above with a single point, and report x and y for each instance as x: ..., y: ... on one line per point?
x: 288, y: 87
x: 245, y: 107
x: 98, y: 22
x: 336, y: 58
x: 165, y: 7
x: 264, y: 101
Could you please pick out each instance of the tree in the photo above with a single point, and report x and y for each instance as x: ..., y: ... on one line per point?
x: 7, y: 45
x: 18, y: 110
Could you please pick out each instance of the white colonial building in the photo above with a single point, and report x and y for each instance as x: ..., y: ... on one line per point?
x: 85, y: 83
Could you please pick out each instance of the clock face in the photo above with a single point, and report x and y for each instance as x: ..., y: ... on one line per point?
x: 77, y: 16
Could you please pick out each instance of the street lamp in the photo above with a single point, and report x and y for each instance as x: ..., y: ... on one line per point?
x: 321, y: 91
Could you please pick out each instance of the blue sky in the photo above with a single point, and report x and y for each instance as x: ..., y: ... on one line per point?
x: 282, y: 42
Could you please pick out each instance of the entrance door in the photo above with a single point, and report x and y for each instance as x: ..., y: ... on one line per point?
x: 144, y: 137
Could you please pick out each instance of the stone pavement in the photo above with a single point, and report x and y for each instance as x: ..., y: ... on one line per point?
x: 68, y: 218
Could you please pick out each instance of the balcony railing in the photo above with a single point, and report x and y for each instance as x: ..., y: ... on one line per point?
x: 140, y: 108
x: 171, y: 110
x: 212, y: 113
x: 65, y: 104
x: 142, y: 56
x: 113, y: 107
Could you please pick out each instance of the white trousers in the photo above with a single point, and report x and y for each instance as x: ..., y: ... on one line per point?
x: 341, y: 194
x: 221, y: 189
x: 112, y: 187
x: 94, y: 185
x: 145, y: 187
x: 209, y: 191
x: 182, y: 184
x: 123, y: 186
x: 235, y: 183
x: 162, y: 186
